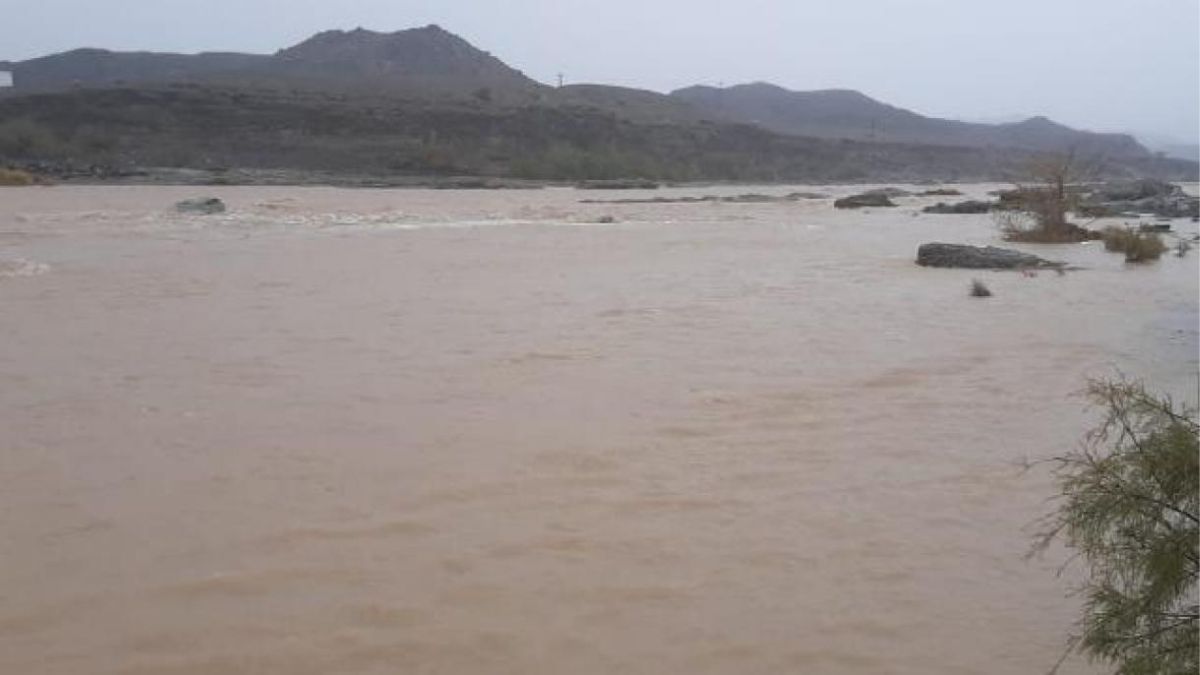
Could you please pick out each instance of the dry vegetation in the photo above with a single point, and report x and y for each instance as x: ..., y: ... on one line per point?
x: 1037, y: 212
x: 16, y: 178
x: 1137, y: 246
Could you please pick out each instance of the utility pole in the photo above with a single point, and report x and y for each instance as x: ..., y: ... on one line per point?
x: 560, y: 80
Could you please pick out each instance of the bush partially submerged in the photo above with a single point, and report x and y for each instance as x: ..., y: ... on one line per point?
x: 1137, y: 246
x: 1027, y: 227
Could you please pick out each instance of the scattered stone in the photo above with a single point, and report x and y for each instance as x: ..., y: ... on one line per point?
x: 606, y: 220
x: 889, y: 192
x: 1152, y: 196
x: 976, y: 257
x: 969, y: 206
x: 979, y: 289
x: 621, y: 184
x: 205, y: 206
x: 864, y: 200
x: 941, y: 192
x: 1128, y: 191
x: 1155, y: 227
x: 751, y: 198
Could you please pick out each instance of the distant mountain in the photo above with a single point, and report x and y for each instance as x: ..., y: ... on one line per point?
x: 417, y: 55
x: 100, y: 67
x: 1171, y: 147
x: 418, y: 58
x: 839, y: 113
x: 424, y: 101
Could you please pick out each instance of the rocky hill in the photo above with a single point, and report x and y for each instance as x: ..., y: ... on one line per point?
x: 838, y: 113
x: 421, y: 59
x: 424, y: 101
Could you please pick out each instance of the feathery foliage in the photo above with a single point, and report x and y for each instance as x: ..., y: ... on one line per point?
x: 1131, y: 507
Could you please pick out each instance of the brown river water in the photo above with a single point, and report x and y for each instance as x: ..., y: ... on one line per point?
x: 339, y: 431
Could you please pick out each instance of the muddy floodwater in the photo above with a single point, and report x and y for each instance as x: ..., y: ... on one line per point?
x: 460, y: 432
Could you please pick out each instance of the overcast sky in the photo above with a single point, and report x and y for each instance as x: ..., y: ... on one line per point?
x: 1097, y: 64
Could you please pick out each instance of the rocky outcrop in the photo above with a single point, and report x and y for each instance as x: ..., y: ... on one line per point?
x: 618, y: 184
x: 734, y: 199
x: 864, y: 200
x: 205, y: 206
x: 1140, y: 196
x: 889, y: 192
x: 979, y: 258
x: 969, y: 206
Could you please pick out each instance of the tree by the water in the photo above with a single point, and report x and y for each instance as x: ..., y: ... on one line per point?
x: 1130, y: 506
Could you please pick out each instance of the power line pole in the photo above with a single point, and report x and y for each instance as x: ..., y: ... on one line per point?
x: 560, y: 80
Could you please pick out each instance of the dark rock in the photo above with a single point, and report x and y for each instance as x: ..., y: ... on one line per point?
x: 205, y: 206
x: 976, y: 257
x: 623, y: 184
x: 1155, y: 227
x: 864, y: 200
x: 1126, y: 191
x: 752, y: 199
x: 1156, y: 197
x: 969, y: 206
x: 889, y: 192
x: 942, y: 192
x: 979, y: 289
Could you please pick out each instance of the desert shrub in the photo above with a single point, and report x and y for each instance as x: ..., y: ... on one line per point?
x: 1137, y: 246
x: 1130, y: 506
x: 16, y: 178
x: 1045, y: 202
x: 1025, y: 226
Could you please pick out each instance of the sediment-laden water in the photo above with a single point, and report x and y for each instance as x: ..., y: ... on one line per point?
x: 337, y: 431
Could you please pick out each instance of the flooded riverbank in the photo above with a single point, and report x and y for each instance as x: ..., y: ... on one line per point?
x: 339, y: 431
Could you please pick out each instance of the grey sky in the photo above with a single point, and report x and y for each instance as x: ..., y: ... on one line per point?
x: 1098, y: 64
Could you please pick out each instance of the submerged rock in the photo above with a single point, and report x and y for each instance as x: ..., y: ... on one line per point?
x: 978, y: 257
x: 1140, y: 196
x: 864, y: 200
x: 969, y: 206
x: 205, y: 206
x: 618, y: 184
x: 1124, y: 191
x: 889, y: 192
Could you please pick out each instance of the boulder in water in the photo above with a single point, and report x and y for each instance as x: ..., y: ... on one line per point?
x: 864, y: 200
x: 969, y: 206
x: 1141, y: 196
x: 979, y: 257
x: 205, y: 206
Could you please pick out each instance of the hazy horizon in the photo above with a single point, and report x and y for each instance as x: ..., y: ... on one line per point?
x: 1104, y: 66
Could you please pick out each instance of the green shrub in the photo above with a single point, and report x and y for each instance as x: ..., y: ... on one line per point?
x: 1137, y: 246
x: 1130, y: 506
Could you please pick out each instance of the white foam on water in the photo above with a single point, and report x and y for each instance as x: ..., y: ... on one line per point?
x: 20, y: 267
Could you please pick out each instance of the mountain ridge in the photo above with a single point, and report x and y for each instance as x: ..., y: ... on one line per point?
x: 425, y: 101
x: 850, y: 114
x: 432, y: 60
